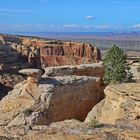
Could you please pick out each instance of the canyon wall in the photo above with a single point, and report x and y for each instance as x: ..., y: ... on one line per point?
x: 20, y: 52
x: 69, y: 53
x: 52, y: 52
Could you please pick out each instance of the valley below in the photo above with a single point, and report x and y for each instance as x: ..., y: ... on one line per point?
x: 103, y: 40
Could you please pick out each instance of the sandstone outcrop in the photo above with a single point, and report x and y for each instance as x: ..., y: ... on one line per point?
x: 20, y: 52
x: 34, y: 75
x: 122, y: 102
x: 38, y: 102
x: 70, y: 53
x: 75, y: 130
x: 36, y: 108
x: 52, y: 99
x: 53, y: 52
x: 95, y: 70
x: 71, y: 130
x: 136, y: 74
x: 19, y: 100
x: 55, y: 99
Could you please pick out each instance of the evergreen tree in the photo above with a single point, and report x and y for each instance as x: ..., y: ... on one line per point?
x: 116, y: 69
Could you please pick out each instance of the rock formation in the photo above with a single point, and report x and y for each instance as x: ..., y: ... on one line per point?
x: 68, y: 53
x: 75, y: 130
x: 38, y: 108
x: 32, y: 110
x: 136, y: 74
x: 50, y: 100
x: 72, y: 130
x: 20, y: 52
x: 79, y: 70
x: 122, y: 102
x: 8, y: 81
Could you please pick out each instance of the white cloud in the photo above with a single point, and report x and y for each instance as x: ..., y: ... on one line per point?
x: 89, y: 17
x: 137, y: 26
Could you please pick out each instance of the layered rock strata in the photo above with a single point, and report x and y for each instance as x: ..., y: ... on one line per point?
x: 53, y: 52
x: 95, y: 70
x: 122, y: 102
x: 70, y: 53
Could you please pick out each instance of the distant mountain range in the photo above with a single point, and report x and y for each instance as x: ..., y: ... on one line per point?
x: 133, y: 36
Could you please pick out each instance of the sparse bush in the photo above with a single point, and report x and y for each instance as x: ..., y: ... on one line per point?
x: 116, y: 69
x: 93, y: 123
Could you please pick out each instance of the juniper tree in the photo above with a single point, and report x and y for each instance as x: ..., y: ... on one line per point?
x: 116, y: 69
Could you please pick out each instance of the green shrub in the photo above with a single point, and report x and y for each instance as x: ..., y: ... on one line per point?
x: 116, y: 69
x: 93, y: 123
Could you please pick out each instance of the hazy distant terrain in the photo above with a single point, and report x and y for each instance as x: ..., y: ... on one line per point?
x: 128, y: 41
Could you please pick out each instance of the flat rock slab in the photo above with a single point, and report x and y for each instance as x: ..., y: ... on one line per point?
x: 95, y: 69
x: 30, y: 71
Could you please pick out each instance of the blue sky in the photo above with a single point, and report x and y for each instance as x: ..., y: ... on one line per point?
x: 69, y: 15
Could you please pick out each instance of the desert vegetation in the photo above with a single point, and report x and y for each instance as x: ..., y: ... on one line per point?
x: 116, y: 69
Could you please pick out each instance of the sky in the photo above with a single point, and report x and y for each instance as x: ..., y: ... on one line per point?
x: 69, y: 15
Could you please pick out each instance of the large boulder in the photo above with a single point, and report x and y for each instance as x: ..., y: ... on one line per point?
x: 122, y: 101
x: 69, y: 97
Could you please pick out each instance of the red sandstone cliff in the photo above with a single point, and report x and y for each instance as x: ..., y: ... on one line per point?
x: 53, y: 52
x: 69, y: 53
